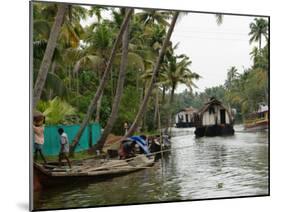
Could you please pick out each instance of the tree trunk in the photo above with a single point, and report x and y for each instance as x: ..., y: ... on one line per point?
x: 53, y: 67
x: 49, y: 52
x: 170, y: 105
x: 112, y: 86
x: 97, y: 119
x: 154, y: 74
x: 93, y: 103
x: 156, y: 109
x: 163, y: 94
x: 119, y: 90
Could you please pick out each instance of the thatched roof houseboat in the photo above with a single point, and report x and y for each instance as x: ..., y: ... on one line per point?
x: 213, y: 119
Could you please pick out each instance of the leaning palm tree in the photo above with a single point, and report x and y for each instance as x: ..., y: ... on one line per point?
x: 46, y: 62
x: 155, y: 72
x: 119, y: 90
x: 100, y: 41
x: 259, y: 29
x: 103, y: 81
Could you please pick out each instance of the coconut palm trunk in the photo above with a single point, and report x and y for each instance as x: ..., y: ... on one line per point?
x: 154, y: 74
x: 163, y: 94
x: 119, y: 90
x: 53, y: 67
x: 98, y: 109
x: 102, y: 84
x: 49, y: 52
x: 156, y: 109
x: 171, y: 101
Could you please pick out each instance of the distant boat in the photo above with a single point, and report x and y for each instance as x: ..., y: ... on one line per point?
x: 257, y: 120
x: 213, y: 119
x: 185, y: 117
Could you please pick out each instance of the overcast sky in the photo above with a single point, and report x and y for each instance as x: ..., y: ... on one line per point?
x: 212, y: 48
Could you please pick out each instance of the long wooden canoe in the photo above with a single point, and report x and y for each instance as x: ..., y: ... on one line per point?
x: 89, y: 170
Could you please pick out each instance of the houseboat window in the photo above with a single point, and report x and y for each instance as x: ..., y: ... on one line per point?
x: 222, y: 114
x: 211, y: 110
x: 180, y: 118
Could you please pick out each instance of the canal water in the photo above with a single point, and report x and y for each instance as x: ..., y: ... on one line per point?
x: 195, y: 169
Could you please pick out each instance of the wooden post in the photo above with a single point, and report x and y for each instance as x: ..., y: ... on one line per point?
x: 159, y: 128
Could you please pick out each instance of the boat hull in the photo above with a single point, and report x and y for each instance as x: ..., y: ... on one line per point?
x: 184, y: 125
x: 259, y: 126
x: 214, y: 130
x: 46, y: 179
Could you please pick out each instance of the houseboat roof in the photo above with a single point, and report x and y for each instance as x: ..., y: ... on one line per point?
x: 191, y: 110
x: 213, y: 101
x: 188, y: 110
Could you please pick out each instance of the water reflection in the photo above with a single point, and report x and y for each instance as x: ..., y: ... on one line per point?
x: 196, y: 169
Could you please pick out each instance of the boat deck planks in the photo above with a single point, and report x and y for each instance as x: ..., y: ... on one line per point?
x: 90, y: 169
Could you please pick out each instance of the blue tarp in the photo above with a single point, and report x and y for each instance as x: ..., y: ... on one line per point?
x: 141, y: 142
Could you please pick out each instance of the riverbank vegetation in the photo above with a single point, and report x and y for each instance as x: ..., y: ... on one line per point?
x: 111, y: 66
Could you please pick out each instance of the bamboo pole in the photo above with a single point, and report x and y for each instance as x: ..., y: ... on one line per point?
x: 159, y: 128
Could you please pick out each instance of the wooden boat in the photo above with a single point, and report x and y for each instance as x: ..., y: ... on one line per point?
x: 258, y: 120
x: 90, y: 170
x: 185, y: 117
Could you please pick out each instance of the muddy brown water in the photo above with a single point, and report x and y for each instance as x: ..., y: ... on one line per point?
x: 196, y: 169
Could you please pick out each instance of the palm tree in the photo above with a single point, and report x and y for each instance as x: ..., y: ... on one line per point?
x: 176, y: 71
x: 96, y: 10
x: 68, y: 38
x: 150, y: 17
x: 46, y: 62
x: 101, y: 41
x: 119, y: 90
x: 103, y: 81
x: 259, y: 29
x: 232, y: 74
x: 154, y: 74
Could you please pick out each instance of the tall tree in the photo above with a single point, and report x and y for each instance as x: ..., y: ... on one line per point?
x: 258, y: 29
x: 176, y: 71
x: 46, y: 62
x: 150, y: 17
x: 103, y: 81
x: 232, y: 74
x: 152, y: 81
x: 119, y: 89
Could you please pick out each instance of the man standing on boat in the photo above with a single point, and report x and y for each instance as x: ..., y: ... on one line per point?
x: 64, y: 150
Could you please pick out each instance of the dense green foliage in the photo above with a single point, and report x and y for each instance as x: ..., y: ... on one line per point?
x: 82, y: 52
x: 81, y: 55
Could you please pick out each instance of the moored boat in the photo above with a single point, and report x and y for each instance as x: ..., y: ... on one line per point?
x: 185, y: 117
x: 90, y: 170
x: 258, y: 120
